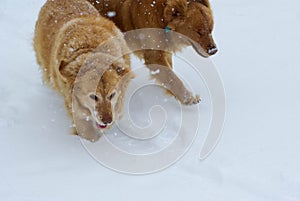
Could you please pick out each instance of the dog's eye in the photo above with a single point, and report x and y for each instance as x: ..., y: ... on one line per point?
x: 94, y: 97
x: 200, y: 34
x: 120, y: 69
x: 112, y: 96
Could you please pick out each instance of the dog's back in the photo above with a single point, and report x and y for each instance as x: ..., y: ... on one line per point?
x: 67, y: 30
x: 53, y: 15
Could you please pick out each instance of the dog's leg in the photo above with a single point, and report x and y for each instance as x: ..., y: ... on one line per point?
x: 160, y: 64
x: 87, y: 130
x: 68, y: 106
x: 83, y: 125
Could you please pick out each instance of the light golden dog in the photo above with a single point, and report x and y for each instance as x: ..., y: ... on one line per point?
x: 191, y: 18
x: 92, y: 78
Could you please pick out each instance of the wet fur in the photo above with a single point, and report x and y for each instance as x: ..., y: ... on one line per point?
x: 66, y: 35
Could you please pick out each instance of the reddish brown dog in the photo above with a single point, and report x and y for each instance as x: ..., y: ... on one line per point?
x: 192, y: 18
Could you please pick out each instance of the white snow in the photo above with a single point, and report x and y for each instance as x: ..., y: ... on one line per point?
x: 256, y: 159
x: 111, y: 14
x: 155, y: 72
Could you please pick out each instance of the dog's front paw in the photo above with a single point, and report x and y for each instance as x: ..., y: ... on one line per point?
x: 190, y: 99
x: 87, y: 132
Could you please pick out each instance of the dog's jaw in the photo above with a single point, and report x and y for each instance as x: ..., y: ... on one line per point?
x: 200, y: 50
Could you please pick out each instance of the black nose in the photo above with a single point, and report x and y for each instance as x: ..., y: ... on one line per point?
x: 212, y: 49
x: 106, y: 119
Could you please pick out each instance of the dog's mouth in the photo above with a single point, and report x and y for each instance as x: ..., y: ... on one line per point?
x: 101, y: 126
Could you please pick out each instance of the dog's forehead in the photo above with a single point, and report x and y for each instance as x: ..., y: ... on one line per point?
x: 201, y: 15
x: 107, y: 82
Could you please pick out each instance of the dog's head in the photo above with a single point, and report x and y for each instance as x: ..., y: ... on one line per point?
x: 194, y: 19
x: 100, y: 89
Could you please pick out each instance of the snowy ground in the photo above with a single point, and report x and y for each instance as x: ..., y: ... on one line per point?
x: 256, y: 159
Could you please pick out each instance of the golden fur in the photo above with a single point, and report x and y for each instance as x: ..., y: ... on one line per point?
x: 67, y: 38
x: 192, y: 18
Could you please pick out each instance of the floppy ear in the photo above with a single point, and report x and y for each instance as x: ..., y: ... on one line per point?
x: 175, y: 8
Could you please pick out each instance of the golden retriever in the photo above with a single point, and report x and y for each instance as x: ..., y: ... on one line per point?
x: 91, y: 78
